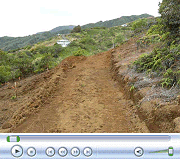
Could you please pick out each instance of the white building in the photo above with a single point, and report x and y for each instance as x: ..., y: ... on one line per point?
x: 124, y: 25
x: 63, y: 43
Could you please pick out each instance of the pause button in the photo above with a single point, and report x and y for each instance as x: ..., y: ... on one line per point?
x: 75, y: 151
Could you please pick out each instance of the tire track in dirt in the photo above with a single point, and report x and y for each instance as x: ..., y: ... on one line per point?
x: 85, y: 100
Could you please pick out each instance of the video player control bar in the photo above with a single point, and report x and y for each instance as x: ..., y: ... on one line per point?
x: 89, y: 146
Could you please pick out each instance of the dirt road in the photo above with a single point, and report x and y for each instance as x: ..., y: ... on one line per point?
x: 85, y: 99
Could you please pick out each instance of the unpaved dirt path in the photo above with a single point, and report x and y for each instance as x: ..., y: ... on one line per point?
x: 86, y: 100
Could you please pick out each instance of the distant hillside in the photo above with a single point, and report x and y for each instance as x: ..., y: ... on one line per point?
x: 60, y: 28
x: 12, y: 43
x: 116, y: 22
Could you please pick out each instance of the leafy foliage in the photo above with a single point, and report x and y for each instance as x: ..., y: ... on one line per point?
x: 80, y: 52
x: 5, y: 73
x: 139, y: 25
x: 116, y: 22
x: 60, y: 29
x: 165, y: 58
x: 164, y: 61
x: 76, y: 29
x: 170, y: 14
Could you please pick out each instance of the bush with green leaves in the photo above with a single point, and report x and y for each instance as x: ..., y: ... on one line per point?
x: 5, y: 73
x: 119, y: 38
x: 165, y: 58
x: 164, y: 61
x: 43, y: 62
x: 156, y: 28
x: 80, y: 52
x: 23, y: 62
x: 76, y: 29
x: 88, y: 40
x: 139, y: 25
x: 169, y: 10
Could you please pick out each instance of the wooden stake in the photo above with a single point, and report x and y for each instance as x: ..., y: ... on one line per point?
x: 15, y: 84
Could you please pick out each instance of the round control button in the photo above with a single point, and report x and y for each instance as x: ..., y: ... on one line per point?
x: 63, y: 151
x: 17, y: 151
x: 87, y: 151
x: 138, y: 151
x: 31, y: 151
x: 50, y: 151
x: 75, y: 151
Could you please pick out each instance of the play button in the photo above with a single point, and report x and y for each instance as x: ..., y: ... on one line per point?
x: 17, y: 151
x: 138, y: 151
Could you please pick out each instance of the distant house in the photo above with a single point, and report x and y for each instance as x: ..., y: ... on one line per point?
x: 124, y: 25
x: 63, y: 43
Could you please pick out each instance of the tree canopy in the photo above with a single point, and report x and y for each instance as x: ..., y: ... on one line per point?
x: 170, y: 14
x: 76, y: 29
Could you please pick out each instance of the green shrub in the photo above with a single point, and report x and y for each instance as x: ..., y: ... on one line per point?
x: 164, y: 60
x: 169, y: 10
x: 5, y: 73
x: 139, y: 25
x: 80, y: 52
x: 168, y: 82
x: 119, y: 38
x: 88, y: 40
x: 76, y: 29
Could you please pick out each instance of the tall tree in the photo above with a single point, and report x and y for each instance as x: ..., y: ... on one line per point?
x: 170, y: 14
x: 76, y: 29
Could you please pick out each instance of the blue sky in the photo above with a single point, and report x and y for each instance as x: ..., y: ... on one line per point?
x: 27, y: 17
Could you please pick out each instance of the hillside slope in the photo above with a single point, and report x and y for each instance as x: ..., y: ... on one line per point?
x: 13, y: 43
x: 116, y: 22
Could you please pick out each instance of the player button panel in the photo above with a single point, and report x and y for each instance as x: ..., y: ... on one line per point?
x: 17, y: 151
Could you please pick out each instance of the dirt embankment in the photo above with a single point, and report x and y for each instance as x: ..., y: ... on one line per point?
x: 158, y: 107
x: 86, y: 95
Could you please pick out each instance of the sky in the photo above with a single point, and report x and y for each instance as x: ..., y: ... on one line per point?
x: 27, y: 17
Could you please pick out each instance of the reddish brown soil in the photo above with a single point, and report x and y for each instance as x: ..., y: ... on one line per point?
x: 79, y: 96
x: 89, y: 95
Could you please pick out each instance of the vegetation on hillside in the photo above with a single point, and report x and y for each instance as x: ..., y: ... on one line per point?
x: 46, y: 55
x: 116, y: 22
x: 76, y: 29
x: 15, y: 43
x: 164, y: 60
x: 62, y: 28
